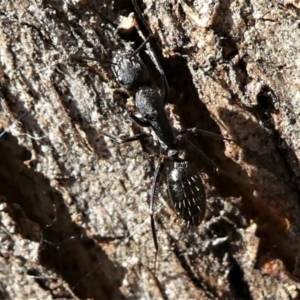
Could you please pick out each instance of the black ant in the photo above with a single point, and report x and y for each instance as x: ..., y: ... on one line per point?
x: 185, y: 186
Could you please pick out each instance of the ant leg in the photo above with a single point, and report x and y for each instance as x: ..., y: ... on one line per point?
x: 205, y: 157
x: 14, y: 122
x: 154, y: 192
x: 151, y: 53
x: 129, y: 139
x: 196, y: 130
x: 140, y: 15
x: 137, y: 137
x: 83, y: 58
x: 140, y: 121
x: 141, y: 46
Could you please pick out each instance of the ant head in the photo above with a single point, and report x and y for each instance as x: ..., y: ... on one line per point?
x: 130, y: 71
x: 128, y: 68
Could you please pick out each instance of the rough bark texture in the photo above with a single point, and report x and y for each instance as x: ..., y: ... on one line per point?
x: 68, y: 197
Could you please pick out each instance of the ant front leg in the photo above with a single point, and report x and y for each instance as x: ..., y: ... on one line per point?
x: 140, y: 136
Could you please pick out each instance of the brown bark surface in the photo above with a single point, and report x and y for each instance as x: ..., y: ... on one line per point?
x: 69, y: 198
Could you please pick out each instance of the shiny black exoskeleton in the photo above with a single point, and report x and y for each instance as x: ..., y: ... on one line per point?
x: 185, y: 186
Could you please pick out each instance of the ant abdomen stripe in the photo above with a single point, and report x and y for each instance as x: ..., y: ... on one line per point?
x: 187, y: 192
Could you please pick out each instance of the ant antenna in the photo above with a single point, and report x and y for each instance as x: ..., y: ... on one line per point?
x: 7, y: 129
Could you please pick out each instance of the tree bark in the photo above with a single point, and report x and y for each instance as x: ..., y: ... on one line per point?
x: 70, y: 198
